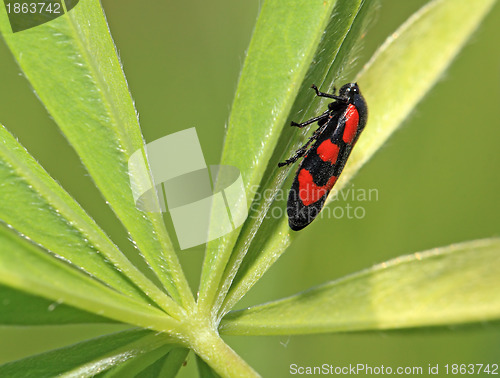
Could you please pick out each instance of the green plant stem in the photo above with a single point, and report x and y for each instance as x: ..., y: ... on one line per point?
x: 208, y: 345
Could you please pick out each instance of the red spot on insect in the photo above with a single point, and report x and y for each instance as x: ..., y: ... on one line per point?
x: 328, y: 151
x: 351, y: 123
x: 309, y: 192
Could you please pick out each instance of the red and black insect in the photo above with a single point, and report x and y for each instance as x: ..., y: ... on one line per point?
x: 339, y: 129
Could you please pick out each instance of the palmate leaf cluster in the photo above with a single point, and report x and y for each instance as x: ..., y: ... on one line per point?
x: 57, y: 266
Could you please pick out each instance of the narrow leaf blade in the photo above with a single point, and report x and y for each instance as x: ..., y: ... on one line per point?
x: 72, y: 64
x: 450, y: 285
x: 87, y: 358
x: 150, y: 362
x: 38, y: 208
x: 21, y: 309
x: 25, y: 267
x: 174, y: 361
x: 274, y: 88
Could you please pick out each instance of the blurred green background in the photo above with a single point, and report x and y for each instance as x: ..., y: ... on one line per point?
x: 437, y: 177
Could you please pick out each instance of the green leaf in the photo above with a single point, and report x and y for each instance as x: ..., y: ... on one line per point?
x: 399, y: 75
x: 26, y: 267
x: 450, y: 285
x: 153, y: 370
x: 72, y: 64
x: 204, y: 370
x: 18, y: 308
x: 37, y: 207
x: 292, y: 47
x: 150, y: 361
x: 173, y: 362
x: 87, y: 358
x: 163, y: 362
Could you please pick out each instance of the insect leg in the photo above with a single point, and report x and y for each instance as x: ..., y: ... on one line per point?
x: 303, y: 150
x: 298, y: 154
x: 312, y: 120
x: 322, y: 94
